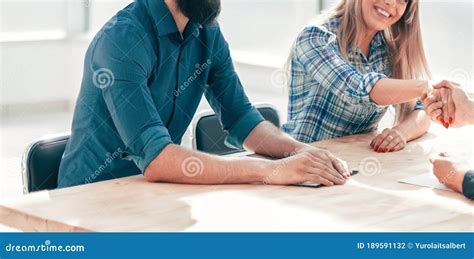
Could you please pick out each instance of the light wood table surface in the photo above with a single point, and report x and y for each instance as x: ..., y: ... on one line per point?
x: 370, y: 201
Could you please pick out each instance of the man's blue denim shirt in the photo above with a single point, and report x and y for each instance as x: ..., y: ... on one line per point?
x: 142, y: 84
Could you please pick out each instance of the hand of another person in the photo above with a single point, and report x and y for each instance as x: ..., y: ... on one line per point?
x: 457, y: 102
x: 449, y: 172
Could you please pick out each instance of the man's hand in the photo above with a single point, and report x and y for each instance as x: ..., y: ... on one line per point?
x: 449, y: 172
x: 390, y: 140
x: 336, y: 163
x: 308, y: 165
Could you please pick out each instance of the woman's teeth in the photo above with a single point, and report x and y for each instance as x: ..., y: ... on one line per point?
x: 383, y: 12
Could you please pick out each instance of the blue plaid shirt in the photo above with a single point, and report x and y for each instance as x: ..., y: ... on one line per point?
x: 328, y: 96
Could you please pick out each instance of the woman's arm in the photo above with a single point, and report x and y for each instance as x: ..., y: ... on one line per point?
x: 411, y: 125
x: 324, y: 63
x: 414, y: 125
x: 394, y: 91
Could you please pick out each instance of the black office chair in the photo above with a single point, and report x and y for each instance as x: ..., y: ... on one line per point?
x: 208, y: 135
x: 40, y: 163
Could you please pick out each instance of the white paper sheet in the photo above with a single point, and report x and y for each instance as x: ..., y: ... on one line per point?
x: 425, y: 180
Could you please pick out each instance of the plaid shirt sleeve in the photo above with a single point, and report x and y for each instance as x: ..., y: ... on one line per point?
x: 316, y: 54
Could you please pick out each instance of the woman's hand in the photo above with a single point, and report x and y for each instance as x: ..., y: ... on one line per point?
x: 449, y: 172
x: 390, y: 140
x: 449, y: 100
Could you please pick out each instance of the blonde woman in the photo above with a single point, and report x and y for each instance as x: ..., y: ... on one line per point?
x: 345, y: 72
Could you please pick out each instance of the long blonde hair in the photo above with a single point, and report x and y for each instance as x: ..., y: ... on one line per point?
x: 403, y: 39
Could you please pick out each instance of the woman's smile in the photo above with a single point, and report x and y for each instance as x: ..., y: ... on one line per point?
x: 382, y: 12
x: 379, y: 15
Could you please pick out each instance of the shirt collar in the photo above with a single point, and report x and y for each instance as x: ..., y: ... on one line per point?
x: 378, y: 39
x: 163, y: 19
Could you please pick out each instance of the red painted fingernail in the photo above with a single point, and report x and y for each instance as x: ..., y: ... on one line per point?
x: 442, y: 121
x: 450, y: 120
x: 446, y: 125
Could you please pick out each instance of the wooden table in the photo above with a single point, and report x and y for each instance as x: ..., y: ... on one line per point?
x: 370, y: 201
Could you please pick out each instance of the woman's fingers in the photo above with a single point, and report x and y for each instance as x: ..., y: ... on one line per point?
x: 398, y: 147
x: 434, y: 110
x: 389, y: 140
x: 379, y: 139
x: 445, y: 89
x: 433, y: 106
x: 444, y: 99
x: 436, y: 114
x: 451, y: 107
x: 383, y: 146
x: 429, y: 100
x: 393, y: 144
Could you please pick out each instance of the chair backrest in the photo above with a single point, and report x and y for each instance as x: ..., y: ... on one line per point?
x: 40, y: 163
x: 208, y: 135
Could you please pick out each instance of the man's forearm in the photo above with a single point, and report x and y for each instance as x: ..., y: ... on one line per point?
x: 414, y: 125
x: 268, y: 140
x: 394, y: 91
x: 179, y: 165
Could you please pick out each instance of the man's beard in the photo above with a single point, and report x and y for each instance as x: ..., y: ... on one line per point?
x: 203, y: 12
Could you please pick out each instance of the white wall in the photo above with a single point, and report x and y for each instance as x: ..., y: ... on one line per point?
x: 40, y: 71
x: 448, y: 34
x: 260, y: 30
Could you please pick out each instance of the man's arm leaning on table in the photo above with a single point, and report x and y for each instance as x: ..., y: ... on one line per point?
x: 307, y: 164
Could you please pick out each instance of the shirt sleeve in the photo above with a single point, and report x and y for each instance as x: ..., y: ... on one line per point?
x: 227, y: 98
x: 419, y: 105
x: 468, y: 184
x: 121, y: 65
x: 321, y: 60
